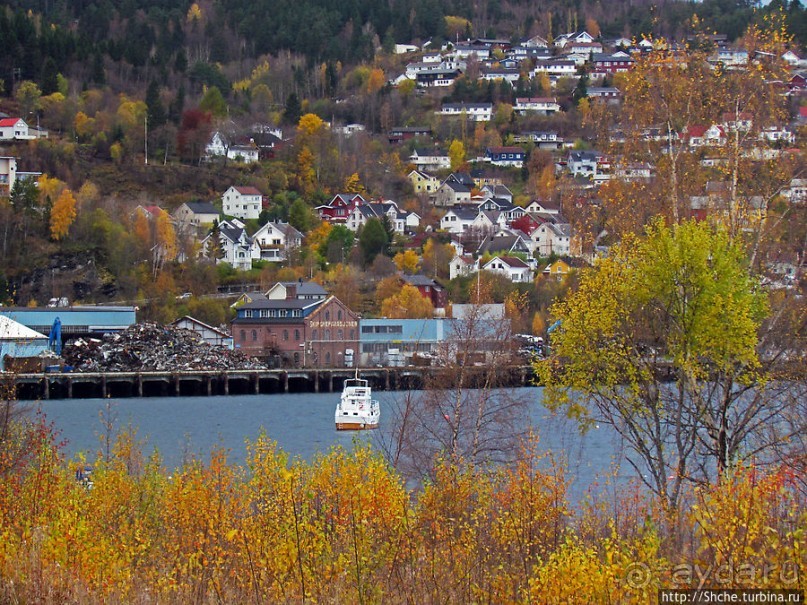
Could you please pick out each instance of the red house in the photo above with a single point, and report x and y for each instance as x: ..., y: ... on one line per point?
x: 428, y: 288
x: 340, y: 207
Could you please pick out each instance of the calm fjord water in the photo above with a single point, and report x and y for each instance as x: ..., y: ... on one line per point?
x: 302, y: 424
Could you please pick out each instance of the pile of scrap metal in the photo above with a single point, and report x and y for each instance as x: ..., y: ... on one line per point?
x: 149, y: 347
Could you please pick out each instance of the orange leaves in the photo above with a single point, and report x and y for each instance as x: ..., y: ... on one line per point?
x: 407, y: 304
x: 343, y: 528
x: 62, y: 215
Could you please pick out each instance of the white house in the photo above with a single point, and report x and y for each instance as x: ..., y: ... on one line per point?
x: 451, y: 193
x: 401, y: 220
x: 273, y: 241
x: 774, y: 134
x: 462, y: 266
x: 430, y: 159
x: 458, y: 219
x: 493, y: 74
x: 195, y: 214
x: 242, y: 202
x: 220, y: 145
x: 540, y: 105
x: 797, y: 191
x: 555, y: 67
x: 552, y: 238
x: 8, y: 174
x: 235, y: 246
x: 591, y: 164
x: 515, y: 269
x: 212, y: 336
x: 542, y: 206
x: 564, y: 40
x: 478, y: 112
x: 14, y: 129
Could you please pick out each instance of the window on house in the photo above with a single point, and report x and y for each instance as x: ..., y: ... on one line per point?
x: 314, y: 335
x: 285, y: 334
x: 339, y: 315
x: 297, y: 335
x: 243, y: 335
x: 340, y: 335
x: 254, y: 335
x: 327, y: 334
x: 327, y: 358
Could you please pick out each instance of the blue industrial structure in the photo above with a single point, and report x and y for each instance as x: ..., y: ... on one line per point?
x: 393, y: 342
x: 75, y: 321
x: 402, y: 342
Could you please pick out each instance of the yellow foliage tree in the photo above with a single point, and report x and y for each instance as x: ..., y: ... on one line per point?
x: 386, y: 288
x: 407, y: 261
x: 456, y: 153
x: 310, y: 124
x: 84, y: 125
x: 306, y: 174
x: 436, y: 257
x: 316, y: 237
x: 166, y: 236
x: 62, y: 215
x: 49, y: 189
x: 87, y: 194
x: 407, y: 304
x: 353, y: 184
x: 375, y: 81
x: 142, y: 230
x: 592, y: 27
x: 194, y: 13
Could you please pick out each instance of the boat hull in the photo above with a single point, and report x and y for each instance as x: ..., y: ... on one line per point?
x: 355, y: 426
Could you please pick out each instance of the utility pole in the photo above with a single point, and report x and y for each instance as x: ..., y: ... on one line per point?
x: 146, y: 137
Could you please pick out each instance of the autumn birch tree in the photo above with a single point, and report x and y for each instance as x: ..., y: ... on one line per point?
x: 678, y: 301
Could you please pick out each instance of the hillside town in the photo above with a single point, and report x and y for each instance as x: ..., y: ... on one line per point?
x: 552, y: 254
x: 523, y: 188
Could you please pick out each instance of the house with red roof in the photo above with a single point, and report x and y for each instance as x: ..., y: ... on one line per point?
x: 512, y: 267
x: 13, y: 129
x: 242, y: 202
x: 339, y: 209
x: 699, y: 135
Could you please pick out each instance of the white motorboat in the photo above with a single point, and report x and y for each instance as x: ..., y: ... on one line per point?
x: 357, y: 410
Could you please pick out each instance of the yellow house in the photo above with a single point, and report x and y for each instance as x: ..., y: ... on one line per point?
x: 558, y: 269
x: 423, y: 183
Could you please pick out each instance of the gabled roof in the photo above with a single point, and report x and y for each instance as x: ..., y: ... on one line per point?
x: 193, y: 320
x: 420, y: 281
x: 513, y: 261
x: 284, y: 303
x: 466, y: 213
x: 247, y: 190
x: 457, y: 187
x: 697, y: 130
x: 6, y: 122
x: 13, y: 330
x: 231, y: 232
x: 430, y: 153
x: 328, y: 301
x: 461, y: 177
x: 508, y: 149
x: 498, y: 191
x: 492, y: 244
x: 201, y: 207
x: 289, y: 231
x: 304, y: 288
